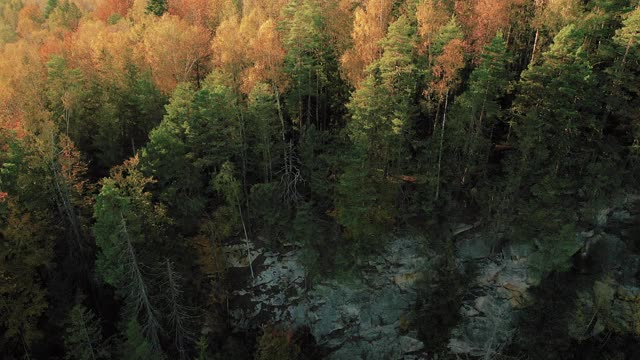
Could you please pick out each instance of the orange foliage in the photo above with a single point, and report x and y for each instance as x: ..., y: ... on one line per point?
x: 51, y: 45
x: 229, y: 52
x: 370, y: 26
x: 267, y: 55
x: 489, y: 16
x: 102, y: 51
x: 222, y: 9
x: 447, y: 66
x: 22, y: 77
x: 270, y: 8
x: 106, y: 8
x: 196, y: 12
x: 74, y: 171
x: 30, y: 20
x: 175, y: 51
x: 431, y: 15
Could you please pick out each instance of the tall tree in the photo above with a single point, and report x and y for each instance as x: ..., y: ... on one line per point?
x: 370, y: 26
x: 176, y: 51
x: 199, y: 133
x: 311, y: 65
x: 126, y: 219
x: 382, y: 110
x: 558, y: 136
x: 475, y: 115
x: 26, y: 252
x: 83, y: 338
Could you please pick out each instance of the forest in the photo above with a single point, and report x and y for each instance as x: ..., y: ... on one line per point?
x: 141, y: 139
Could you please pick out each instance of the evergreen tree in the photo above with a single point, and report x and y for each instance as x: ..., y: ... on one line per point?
x: 383, y: 107
x: 157, y: 7
x: 129, y: 232
x: 83, y: 338
x: 199, y: 133
x: 312, y: 65
x: 264, y: 131
x: 26, y: 247
x: 382, y: 110
x: 557, y: 138
x: 474, y: 118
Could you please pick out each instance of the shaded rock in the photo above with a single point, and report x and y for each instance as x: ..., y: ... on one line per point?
x: 354, y: 319
x: 475, y: 247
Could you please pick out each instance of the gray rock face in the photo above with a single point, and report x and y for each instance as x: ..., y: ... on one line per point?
x: 501, y: 287
x: 366, y: 317
x: 355, y: 319
x: 489, y: 312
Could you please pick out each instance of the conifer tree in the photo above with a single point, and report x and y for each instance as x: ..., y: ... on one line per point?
x: 157, y: 7
x: 474, y: 116
x: 83, y: 339
x: 129, y: 229
x: 557, y: 137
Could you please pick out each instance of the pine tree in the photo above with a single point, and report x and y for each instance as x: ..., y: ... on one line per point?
x: 384, y: 105
x: 199, y: 133
x: 83, y: 339
x: 382, y: 110
x: 311, y: 64
x: 264, y: 131
x: 157, y: 7
x: 474, y: 116
x: 557, y: 138
x: 129, y: 231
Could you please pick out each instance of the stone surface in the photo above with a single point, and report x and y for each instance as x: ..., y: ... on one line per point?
x: 365, y: 317
x: 354, y: 319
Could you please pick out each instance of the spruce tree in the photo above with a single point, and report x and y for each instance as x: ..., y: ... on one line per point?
x: 83, y: 339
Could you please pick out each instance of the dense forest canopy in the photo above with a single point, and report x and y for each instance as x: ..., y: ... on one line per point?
x: 138, y: 137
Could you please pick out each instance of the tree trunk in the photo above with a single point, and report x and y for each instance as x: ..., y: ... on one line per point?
x: 535, y: 45
x: 139, y: 293
x: 444, y: 123
x: 246, y: 239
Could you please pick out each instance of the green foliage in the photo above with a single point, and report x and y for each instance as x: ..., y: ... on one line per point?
x: 263, y: 126
x: 308, y: 161
x: 558, y: 95
x: 26, y: 249
x: 317, y: 240
x: 83, y: 339
x: 474, y: 117
x: 198, y: 134
x: 365, y: 206
x: 267, y: 211
x: 136, y: 347
x: 157, y: 7
x: 66, y: 15
x: 311, y: 64
x: 51, y: 5
x: 227, y: 185
x: 548, y: 221
x: 383, y: 107
x: 124, y: 212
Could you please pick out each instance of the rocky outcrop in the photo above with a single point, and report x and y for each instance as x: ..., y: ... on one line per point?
x: 489, y: 311
x: 363, y: 317
x: 367, y: 315
x: 500, y: 290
